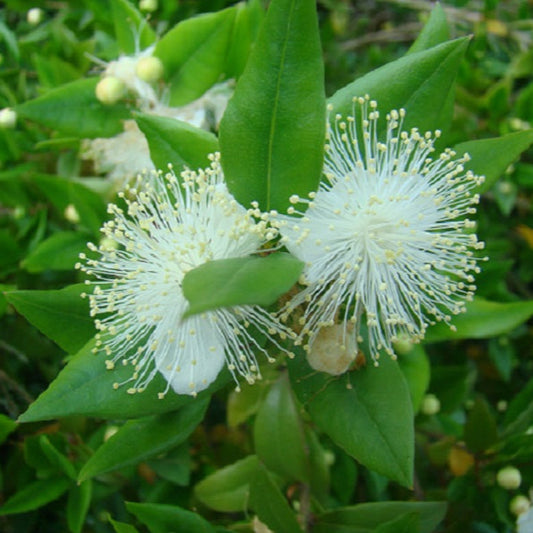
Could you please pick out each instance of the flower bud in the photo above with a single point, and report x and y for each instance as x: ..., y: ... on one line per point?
x: 148, y: 5
x: 8, y: 118
x: 509, y: 478
x: 34, y: 16
x: 333, y: 350
x: 519, y: 505
x: 110, y: 90
x: 149, y: 69
x: 71, y: 214
x: 430, y: 405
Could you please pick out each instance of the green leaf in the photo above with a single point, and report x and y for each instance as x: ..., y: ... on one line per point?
x: 365, y: 517
x: 121, y: 527
x: 7, y: 426
x: 372, y: 419
x: 434, y: 32
x: 414, y: 82
x: 139, y: 440
x: 59, y: 252
x: 85, y: 387
x: 62, y: 315
x: 480, y: 430
x: 272, y: 133
x: 79, y: 500
x: 519, y: 414
x: 491, y: 157
x: 176, y: 142
x: 270, y: 505
x: 239, y: 281
x: 416, y: 368
x: 162, y: 518
x: 228, y: 490
x: 483, y: 319
x: 56, y: 458
x: 279, y: 434
x: 131, y: 29
x: 35, y: 495
x: 73, y: 109
x: 406, y: 523
x: 194, y: 54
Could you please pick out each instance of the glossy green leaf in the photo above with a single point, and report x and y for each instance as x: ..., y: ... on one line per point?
x: 271, y: 507
x: 406, y: 523
x: 480, y: 430
x: 365, y: 517
x: 59, y: 252
x: 240, y: 281
x: 483, y: 319
x: 142, y: 439
x: 272, y: 133
x: 491, y: 157
x: 372, y: 419
x: 194, y: 54
x: 85, y: 387
x: 131, y: 28
x: 228, y: 490
x: 416, y: 368
x: 414, y: 82
x: 35, y: 495
x: 62, y: 315
x: 56, y: 458
x: 176, y: 142
x: 162, y: 518
x: 74, y: 110
x: 79, y: 501
x: 434, y: 32
x: 279, y: 434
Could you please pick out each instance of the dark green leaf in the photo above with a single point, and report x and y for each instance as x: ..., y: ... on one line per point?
x: 35, y: 495
x: 279, y: 434
x: 519, y: 415
x: 483, y: 319
x: 240, y: 281
x: 73, y: 109
x: 414, y: 82
x: 161, y: 518
x: 480, y: 430
x: 85, y: 387
x: 270, y: 505
x: 61, y: 315
x: 194, y: 54
x: 365, y: 517
x: 176, y: 142
x: 272, y: 133
x: 372, y: 419
x: 491, y: 157
x: 416, y: 368
x: 56, y: 458
x: 406, y: 523
x: 79, y: 500
x: 228, y: 490
x: 7, y: 426
x: 139, y: 440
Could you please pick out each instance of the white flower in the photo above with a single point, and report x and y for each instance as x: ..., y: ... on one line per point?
x: 524, y: 522
x: 167, y: 230
x: 386, y: 239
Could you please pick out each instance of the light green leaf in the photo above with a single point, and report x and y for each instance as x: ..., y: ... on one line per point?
x: 35, y: 495
x: 272, y: 133
x: 491, y: 157
x: 270, y: 505
x: 483, y: 319
x: 74, y: 110
x: 141, y: 439
x: 414, y: 82
x: 162, y: 518
x: 79, y: 500
x: 59, y: 252
x: 176, y: 142
x: 372, y: 419
x: 85, y: 387
x: 279, y: 434
x: 365, y: 517
x: 228, y: 490
x: 62, y: 315
x: 434, y: 32
x: 131, y: 29
x: 121, y: 527
x: 240, y: 281
x: 7, y: 426
x: 194, y: 54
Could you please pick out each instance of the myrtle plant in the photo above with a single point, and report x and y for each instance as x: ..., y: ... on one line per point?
x: 245, y: 291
